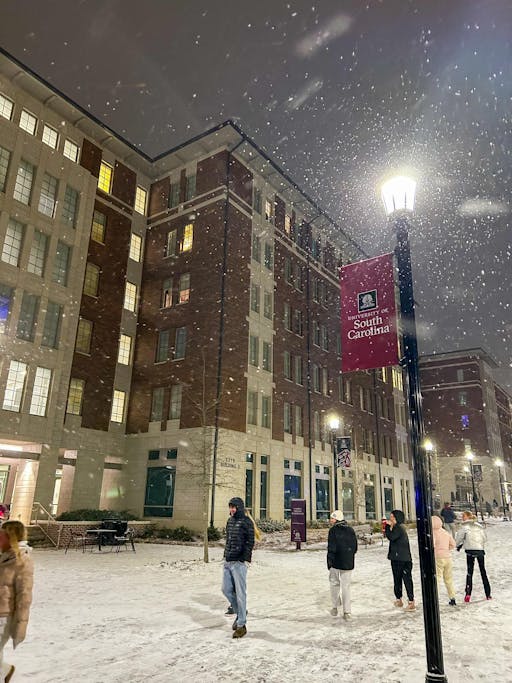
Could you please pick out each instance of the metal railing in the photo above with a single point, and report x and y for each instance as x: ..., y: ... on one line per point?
x: 42, y: 518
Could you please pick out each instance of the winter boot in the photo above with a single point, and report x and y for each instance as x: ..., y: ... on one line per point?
x: 452, y: 602
x: 411, y: 606
x: 240, y: 632
x: 398, y: 603
x: 347, y: 616
x: 467, y: 598
x: 334, y: 612
x: 229, y: 610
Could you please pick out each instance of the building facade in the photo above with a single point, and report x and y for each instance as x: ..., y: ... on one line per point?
x: 468, y: 418
x: 169, y: 329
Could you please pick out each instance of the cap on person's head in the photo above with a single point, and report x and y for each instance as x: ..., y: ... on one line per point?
x: 398, y: 515
x: 237, y: 503
x: 337, y: 515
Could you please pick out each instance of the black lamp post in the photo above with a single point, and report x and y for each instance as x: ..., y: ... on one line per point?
x: 499, y: 465
x: 334, y: 425
x: 470, y: 457
x: 398, y: 197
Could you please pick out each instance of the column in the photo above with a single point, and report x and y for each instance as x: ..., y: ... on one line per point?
x: 88, y: 480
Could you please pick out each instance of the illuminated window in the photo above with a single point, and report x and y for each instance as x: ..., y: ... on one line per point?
x: 48, y: 196
x: 91, y: 280
x: 135, y: 247
x: 184, y: 295
x: 287, y: 224
x: 84, y: 336
x: 188, y: 236
x: 397, y: 379
x: 105, y: 177
x: 13, y: 242
x: 23, y: 184
x: 15, y: 386
x: 40, y: 391
x: 28, y: 122
x: 118, y: 400
x: 37, y: 256
x: 71, y: 150
x: 140, y: 200
x: 70, y: 206
x: 130, y: 297
x: 125, y: 350
x: 75, y: 396
x: 6, y: 107
x: 5, y: 157
x: 50, y: 136
x: 99, y: 224
x: 464, y: 421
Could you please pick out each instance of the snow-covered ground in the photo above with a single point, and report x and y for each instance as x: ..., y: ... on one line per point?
x: 158, y: 615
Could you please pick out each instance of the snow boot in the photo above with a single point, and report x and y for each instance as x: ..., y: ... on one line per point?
x: 398, y: 603
x: 452, y: 602
x: 240, y: 632
x: 347, y: 616
x: 467, y: 598
x: 411, y: 606
x: 334, y: 612
x: 229, y: 610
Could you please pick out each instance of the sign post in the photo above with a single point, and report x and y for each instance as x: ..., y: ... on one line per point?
x: 298, y: 521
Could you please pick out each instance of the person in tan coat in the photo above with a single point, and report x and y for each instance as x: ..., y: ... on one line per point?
x: 16, y: 581
x: 444, y: 543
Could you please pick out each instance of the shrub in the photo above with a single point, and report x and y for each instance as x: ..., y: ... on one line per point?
x: 318, y: 524
x: 93, y: 515
x: 181, y: 533
x: 376, y: 527
x: 268, y: 526
x: 214, y: 534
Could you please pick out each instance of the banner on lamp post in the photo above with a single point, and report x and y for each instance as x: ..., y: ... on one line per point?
x: 369, y: 336
x: 344, y: 452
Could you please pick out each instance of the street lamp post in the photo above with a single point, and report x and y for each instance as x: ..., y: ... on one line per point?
x: 398, y: 197
x: 470, y: 457
x: 334, y: 425
x: 499, y: 465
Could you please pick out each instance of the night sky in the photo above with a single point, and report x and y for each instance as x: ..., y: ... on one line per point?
x: 339, y: 92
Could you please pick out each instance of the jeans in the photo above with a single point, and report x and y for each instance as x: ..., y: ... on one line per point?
x: 470, y: 559
x: 234, y: 587
x: 444, y: 568
x: 340, y: 579
x: 402, y: 571
x: 450, y: 528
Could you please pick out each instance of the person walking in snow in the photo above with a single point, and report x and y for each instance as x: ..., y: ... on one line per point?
x: 448, y: 516
x: 472, y: 537
x: 16, y: 581
x: 400, y: 555
x: 341, y: 550
x: 237, y: 555
x: 443, y: 544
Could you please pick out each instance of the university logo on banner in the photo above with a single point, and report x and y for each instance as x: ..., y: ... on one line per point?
x: 343, y: 452
x: 369, y: 337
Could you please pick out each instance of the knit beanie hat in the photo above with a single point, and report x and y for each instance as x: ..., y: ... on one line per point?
x: 337, y: 515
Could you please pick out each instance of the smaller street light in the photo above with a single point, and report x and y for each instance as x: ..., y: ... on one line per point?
x: 334, y: 425
x: 499, y: 464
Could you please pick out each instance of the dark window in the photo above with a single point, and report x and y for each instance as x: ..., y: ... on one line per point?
x: 160, y: 486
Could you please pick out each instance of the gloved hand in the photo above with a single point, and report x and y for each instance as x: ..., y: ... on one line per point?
x: 458, y: 548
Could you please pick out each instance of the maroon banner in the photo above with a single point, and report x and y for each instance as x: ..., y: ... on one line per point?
x: 369, y: 336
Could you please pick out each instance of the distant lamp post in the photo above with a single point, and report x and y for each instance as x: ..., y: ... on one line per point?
x: 334, y: 425
x: 499, y: 464
x: 429, y: 447
x: 398, y: 197
x: 471, y: 456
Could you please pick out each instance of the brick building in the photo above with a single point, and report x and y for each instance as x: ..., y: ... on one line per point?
x: 169, y: 328
x: 467, y: 412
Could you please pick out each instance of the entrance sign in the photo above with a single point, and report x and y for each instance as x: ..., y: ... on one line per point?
x: 369, y: 337
x: 298, y: 521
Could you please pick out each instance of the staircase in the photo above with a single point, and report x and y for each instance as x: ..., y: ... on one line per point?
x: 37, y: 538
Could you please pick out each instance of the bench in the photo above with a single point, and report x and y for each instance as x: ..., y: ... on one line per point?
x: 366, y: 535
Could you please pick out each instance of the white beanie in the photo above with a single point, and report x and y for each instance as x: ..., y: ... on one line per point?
x: 337, y: 515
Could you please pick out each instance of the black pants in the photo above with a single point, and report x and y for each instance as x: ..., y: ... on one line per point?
x: 470, y: 559
x: 402, y: 572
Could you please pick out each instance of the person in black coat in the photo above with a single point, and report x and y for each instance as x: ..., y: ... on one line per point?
x: 449, y: 518
x: 341, y: 549
x: 237, y: 555
x: 400, y: 555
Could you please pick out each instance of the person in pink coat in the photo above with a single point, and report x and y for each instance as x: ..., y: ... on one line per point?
x: 444, y: 543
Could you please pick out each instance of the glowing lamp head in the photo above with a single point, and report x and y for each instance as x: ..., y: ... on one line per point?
x: 398, y: 194
x: 334, y: 423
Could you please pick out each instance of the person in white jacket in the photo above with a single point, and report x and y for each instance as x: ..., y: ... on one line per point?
x: 472, y: 537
